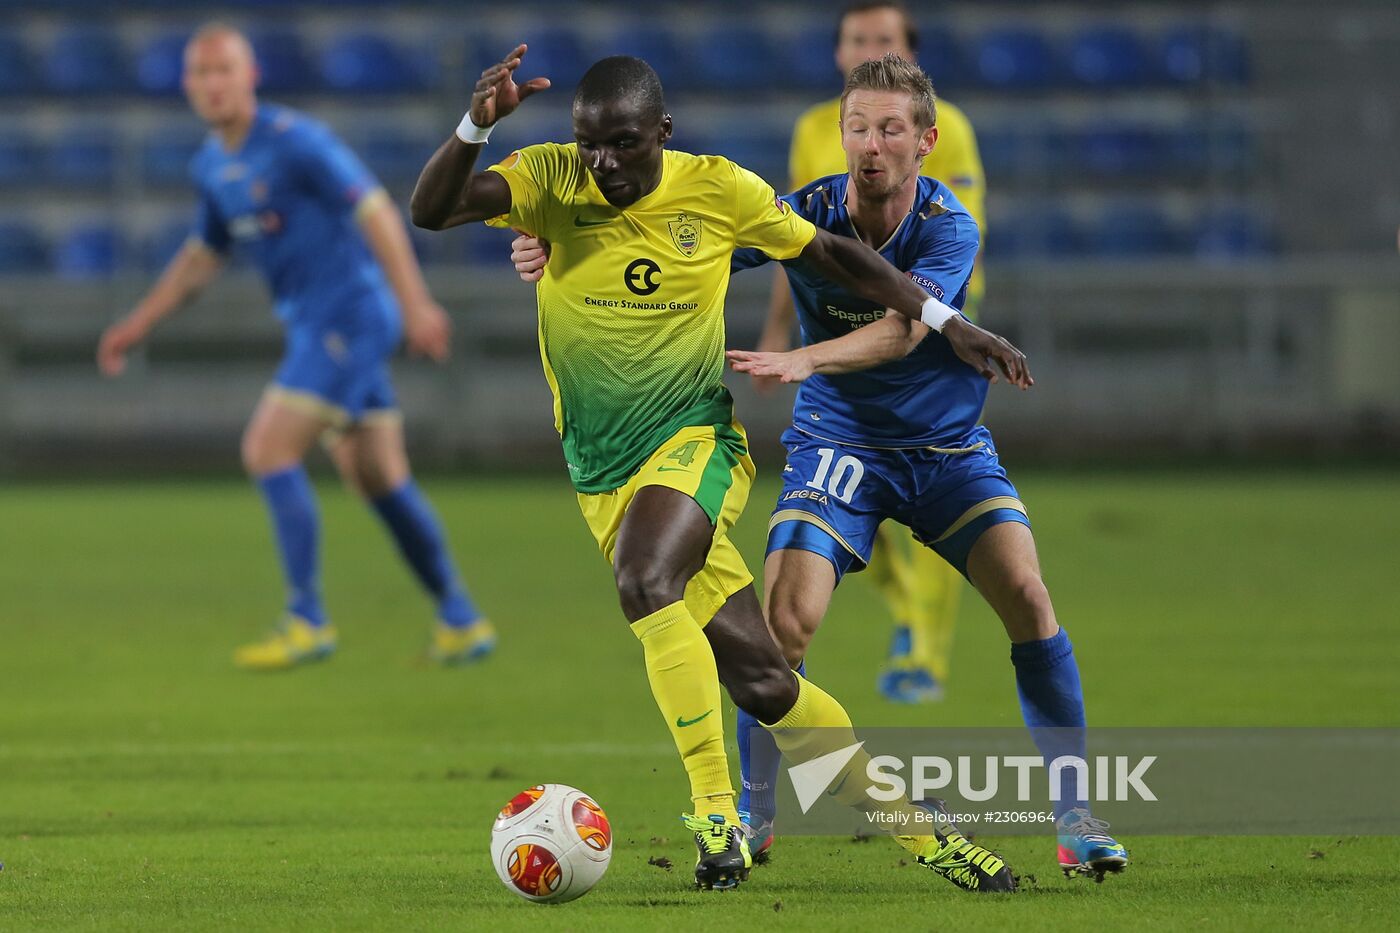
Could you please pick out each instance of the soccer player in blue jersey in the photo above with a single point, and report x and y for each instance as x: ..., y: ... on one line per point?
x: 347, y: 286
x: 886, y: 427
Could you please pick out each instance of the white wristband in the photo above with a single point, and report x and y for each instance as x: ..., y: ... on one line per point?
x: 935, y: 313
x: 468, y: 132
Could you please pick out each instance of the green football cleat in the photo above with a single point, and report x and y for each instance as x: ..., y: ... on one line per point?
x: 293, y: 643
x: 964, y: 863
x: 453, y: 645
x: 724, y: 859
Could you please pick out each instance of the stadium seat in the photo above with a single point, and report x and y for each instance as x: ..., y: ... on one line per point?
x: 758, y: 150
x: 809, y: 63
x: 21, y: 158
x: 1107, y: 57
x: 166, y: 155
x: 1014, y: 58
x: 735, y: 58
x: 282, y: 62
x: 161, y: 63
x: 660, y: 49
x: 22, y: 249
x: 88, y: 252
x: 83, y: 157
x: 942, y: 58
x: 1014, y: 150
x: 1195, y: 54
x: 395, y: 156
x: 1117, y: 149
x: 370, y: 63
x: 1224, y: 234
x: 87, y: 60
x: 17, y: 75
x: 1132, y: 231
x: 1036, y: 232
x: 162, y: 245
x: 554, y: 53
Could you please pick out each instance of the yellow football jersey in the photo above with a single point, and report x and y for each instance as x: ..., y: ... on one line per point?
x: 816, y: 152
x: 631, y: 305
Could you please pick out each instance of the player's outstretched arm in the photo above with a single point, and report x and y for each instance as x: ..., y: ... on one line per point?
x: 187, y: 274
x: 890, y: 338
x: 858, y: 268
x: 427, y: 328
x: 450, y: 191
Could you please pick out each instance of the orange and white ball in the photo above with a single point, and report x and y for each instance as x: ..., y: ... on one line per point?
x: 551, y: 843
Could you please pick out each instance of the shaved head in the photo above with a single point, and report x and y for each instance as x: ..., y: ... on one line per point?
x: 221, y: 76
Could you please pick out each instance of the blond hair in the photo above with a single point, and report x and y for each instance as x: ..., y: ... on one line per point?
x: 892, y: 73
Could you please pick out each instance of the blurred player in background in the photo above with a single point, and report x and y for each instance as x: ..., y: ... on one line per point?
x: 347, y: 286
x: 631, y: 313
x: 921, y: 590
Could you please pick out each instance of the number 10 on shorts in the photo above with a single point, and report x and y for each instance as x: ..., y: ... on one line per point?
x: 841, y: 481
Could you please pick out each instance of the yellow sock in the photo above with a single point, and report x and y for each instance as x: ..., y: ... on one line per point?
x: 818, y: 725
x: 934, y: 590
x: 685, y: 683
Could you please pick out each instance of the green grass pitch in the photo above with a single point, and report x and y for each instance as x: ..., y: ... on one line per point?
x: 144, y: 783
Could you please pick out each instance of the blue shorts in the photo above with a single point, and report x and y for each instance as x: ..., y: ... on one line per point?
x: 835, y: 497
x: 339, y: 370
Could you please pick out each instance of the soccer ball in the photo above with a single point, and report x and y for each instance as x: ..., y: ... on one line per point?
x: 551, y: 843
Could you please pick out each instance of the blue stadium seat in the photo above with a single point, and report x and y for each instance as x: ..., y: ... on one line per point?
x: 17, y: 75
x: 84, y: 157
x: 1196, y: 54
x: 1132, y: 231
x: 943, y: 60
x: 21, y: 158
x: 166, y: 155
x: 1108, y: 57
x: 1014, y: 150
x: 1231, y: 233
x: 488, y: 246
x: 660, y: 50
x: 161, y: 64
x: 736, y: 58
x: 395, y: 156
x: 555, y: 53
x: 370, y: 63
x: 282, y: 62
x: 88, y: 252
x: 22, y: 249
x: 1118, y: 149
x: 1014, y: 58
x: 1036, y: 232
x: 760, y: 150
x: 87, y: 60
x: 809, y: 62
x: 161, y: 246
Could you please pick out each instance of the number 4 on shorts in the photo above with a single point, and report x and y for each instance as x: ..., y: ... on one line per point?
x: 685, y: 453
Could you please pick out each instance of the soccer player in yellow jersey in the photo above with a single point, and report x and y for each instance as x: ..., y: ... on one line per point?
x: 921, y: 590
x: 631, y: 318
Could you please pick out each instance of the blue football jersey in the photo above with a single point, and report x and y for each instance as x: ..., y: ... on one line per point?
x: 930, y: 398
x: 287, y: 197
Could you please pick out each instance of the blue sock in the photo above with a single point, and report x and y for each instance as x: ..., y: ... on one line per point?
x: 292, y: 502
x: 1052, y: 704
x: 421, y: 542
x: 758, y: 767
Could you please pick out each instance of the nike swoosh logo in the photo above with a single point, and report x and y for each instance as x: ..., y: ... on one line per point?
x: 580, y: 222
x: 682, y: 722
x: 666, y: 469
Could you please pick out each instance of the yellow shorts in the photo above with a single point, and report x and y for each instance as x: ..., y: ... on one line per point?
x: 711, y: 464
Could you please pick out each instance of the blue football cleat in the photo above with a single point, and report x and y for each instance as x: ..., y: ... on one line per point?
x: 1086, y: 848
x: 909, y: 685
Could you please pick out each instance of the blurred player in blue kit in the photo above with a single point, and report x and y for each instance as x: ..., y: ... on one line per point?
x: 347, y: 287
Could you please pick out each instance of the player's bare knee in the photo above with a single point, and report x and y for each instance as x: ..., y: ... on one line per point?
x: 791, y: 628
x: 1032, y: 617
x: 645, y: 587
x: 261, y: 457
x: 766, y: 693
